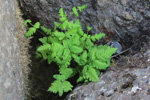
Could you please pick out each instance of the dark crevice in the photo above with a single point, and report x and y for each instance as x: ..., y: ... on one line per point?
x: 41, y: 75
x: 94, y: 3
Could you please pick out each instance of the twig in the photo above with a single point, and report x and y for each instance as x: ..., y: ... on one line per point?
x: 131, y: 46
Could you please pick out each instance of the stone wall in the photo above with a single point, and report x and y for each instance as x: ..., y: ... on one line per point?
x: 11, y: 81
x: 127, y: 17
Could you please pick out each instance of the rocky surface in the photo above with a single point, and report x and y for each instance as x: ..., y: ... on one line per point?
x: 124, y: 16
x: 130, y: 80
x: 11, y: 81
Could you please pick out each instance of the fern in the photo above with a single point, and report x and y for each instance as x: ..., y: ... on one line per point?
x: 74, y: 9
x: 92, y: 75
x: 44, y: 47
x: 76, y: 49
x: 60, y: 87
x: 71, y: 44
x: 33, y: 29
x: 89, y: 28
x: 27, y: 21
x: 37, y: 25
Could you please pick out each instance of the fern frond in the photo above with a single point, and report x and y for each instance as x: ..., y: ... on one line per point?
x: 83, y: 58
x: 74, y: 9
x: 56, y: 86
x: 57, y: 50
x: 43, y: 40
x: 30, y: 32
x: 80, y: 79
x: 89, y: 28
x: 75, y: 39
x: 44, y: 29
x: 76, y: 49
x: 89, y: 43
x: 80, y: 31
x: 67, y: 86
x: 38, y: 55
x: 37, y: 25
x: 92, y: 53
x: 67, y: 43
x: 48, y: 32
x: 77, y: 24
x: 66, y: 72
x: 66, y: 54
x: 49, y: 59
x: 61, y: 12
x: 44, y: 47
x: 59, y: 35
x: 65, y: 24
x: 97, y: 36
x: 91, y: 73
x: 60, y: 77
x: 60, y: 87
x: 52, y: 40
x: 82, y: 7
x: 57, y: 24
x: 44, y: 55
x: 76, y: 58
x: 100, y: 65
x: 63, y: 19
x: 27, y: 21
x: 85, y: 69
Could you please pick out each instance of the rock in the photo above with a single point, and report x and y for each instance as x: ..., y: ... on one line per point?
x: 116, y: 44
x: 109, y: 93
x: 124, y: 82
x: 126, y: 16
x: 11, y: 80
x: 129, y: 17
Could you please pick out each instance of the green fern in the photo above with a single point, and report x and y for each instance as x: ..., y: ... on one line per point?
x: 60, y: 87
x: 27, y: 21
x: 82, y: 7
x: 33, y: 29
x: 92, y: 75
x: 71, y: 44
x: 44, y: 47
x: 74, y: 9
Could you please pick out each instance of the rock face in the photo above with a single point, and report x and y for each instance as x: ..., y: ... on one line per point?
x: 129, y: 81
x: 11, y: 81
x: 124, y: 16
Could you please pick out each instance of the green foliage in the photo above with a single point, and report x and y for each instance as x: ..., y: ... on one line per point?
x: 27, y: 21
x: 33, y: 29
x: 72, y: 44
x: 74, y: 9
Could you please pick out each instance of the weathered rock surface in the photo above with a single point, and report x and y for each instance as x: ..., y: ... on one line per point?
x: 129, y: 81
x: 11, y: 81
x: 125, y: 16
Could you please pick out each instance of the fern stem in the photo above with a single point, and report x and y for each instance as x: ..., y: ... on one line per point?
x: 65, y: 20
x: 37, y: 30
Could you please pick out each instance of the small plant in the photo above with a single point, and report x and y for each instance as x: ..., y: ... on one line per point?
x: 71, y: 44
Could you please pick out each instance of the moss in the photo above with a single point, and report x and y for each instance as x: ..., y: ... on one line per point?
x: 24, y: 49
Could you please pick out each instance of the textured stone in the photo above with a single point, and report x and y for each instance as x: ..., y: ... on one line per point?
x: 11, y: 81
x: 124, y: 82
x: 125, y: 16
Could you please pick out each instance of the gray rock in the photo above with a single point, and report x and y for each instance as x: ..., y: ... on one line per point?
x: 109, y: 93
x: 11, y: 81
x: 124, y: 82
x: 117, y: 45
x: 126, y: 16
